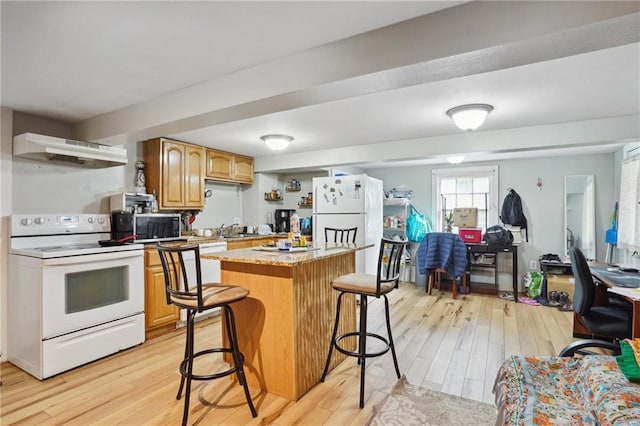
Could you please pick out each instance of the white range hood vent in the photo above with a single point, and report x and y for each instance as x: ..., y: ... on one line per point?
x: 49, y: 148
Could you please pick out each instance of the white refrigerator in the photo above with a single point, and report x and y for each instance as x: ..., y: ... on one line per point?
x: 347, y: 202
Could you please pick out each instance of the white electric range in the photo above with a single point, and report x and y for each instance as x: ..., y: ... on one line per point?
x: 71, y: 300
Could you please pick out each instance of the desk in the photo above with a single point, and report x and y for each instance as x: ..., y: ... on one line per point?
x: 481, y: 248
x: 625, y: 280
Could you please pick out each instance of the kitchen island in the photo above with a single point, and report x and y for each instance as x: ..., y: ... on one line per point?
x: 284, y: 326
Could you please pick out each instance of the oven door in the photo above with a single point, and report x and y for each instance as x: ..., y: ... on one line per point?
x: 84, y: 291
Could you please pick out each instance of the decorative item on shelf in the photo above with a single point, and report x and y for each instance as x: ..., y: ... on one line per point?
x: 141, y: 182
x: 306, y: 201
x: 293, y: 186
x: 273, y: 195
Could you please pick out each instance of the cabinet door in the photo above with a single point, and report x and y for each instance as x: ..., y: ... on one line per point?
x: 173, y: 174
x: 243, y: 169
x: 194, y: 177
x: 157, y: 311
x: 219, y: 165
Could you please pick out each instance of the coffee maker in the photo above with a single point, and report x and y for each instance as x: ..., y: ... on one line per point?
x: 283, y: 219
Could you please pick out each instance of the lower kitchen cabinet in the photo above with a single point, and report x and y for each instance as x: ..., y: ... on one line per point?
x: 157, y: 312
x: 248, y: 243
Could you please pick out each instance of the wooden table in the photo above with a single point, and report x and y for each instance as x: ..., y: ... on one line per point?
x: 285, y: 324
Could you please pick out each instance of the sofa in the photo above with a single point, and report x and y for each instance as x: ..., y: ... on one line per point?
x: 586, y: 390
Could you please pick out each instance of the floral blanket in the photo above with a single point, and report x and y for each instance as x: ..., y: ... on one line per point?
x: 565, y: 391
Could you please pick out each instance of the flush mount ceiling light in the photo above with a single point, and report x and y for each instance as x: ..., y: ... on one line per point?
x: 277, y: 142
x: 469, y: 117
x: 456, y: 159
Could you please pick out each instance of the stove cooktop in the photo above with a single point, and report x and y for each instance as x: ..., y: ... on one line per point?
x: 65, y: 250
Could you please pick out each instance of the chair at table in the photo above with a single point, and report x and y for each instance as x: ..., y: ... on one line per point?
x: 337, y: 235
x: 613, y: 322
x: 365, y: 285
x: 443, y: 253
x: 197, y: 297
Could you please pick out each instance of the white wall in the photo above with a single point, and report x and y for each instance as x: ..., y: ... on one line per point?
x: 543, y: 208
x: 6, y: 179
x: 222, y: 208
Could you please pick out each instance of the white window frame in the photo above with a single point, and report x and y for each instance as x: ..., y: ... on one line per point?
x: 481, y: 171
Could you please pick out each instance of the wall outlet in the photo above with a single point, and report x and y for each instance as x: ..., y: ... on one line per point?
x: 533, y: 265
x: 236, y: 221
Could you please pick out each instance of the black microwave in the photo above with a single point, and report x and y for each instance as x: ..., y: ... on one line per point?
x: 148, y: 227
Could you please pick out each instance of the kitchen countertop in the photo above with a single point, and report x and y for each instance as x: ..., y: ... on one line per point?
x: 257, y: 256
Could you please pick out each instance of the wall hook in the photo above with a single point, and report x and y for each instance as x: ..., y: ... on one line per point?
x: 539, y: 184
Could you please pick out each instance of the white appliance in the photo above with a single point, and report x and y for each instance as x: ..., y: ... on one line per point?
x: 346, y: 202
x: 70, y: 300
x: 50, y: 148
x: 209, y: 271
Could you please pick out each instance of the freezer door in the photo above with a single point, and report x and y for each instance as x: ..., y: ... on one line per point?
x: 340, y: 194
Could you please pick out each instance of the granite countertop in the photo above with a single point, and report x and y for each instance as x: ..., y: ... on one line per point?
x: 258, y: 256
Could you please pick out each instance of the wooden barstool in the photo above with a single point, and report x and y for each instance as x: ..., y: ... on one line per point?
x: 365, y: 285
x: 197, y: 297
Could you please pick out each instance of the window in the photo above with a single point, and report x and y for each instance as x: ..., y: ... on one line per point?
x: 466, y: 187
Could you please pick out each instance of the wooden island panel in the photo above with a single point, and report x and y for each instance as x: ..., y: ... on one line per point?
x: 285, y: 324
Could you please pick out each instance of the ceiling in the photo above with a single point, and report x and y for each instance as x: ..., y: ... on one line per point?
x: 355, y: 83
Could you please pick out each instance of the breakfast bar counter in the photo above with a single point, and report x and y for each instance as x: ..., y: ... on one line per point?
x: 284, y: 326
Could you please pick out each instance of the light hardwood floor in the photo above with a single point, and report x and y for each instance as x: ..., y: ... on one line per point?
x: 453, y: 346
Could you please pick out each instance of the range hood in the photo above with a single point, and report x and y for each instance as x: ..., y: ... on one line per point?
x: 41, y: 147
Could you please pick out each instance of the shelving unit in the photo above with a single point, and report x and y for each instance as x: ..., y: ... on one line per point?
x: 395, y: 214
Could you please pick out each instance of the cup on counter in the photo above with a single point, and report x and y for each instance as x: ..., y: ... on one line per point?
x: 200, y: 232
x: 284, y: 244
x: 208, y: 232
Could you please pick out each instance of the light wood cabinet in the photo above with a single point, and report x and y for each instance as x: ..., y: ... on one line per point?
x: 248, y: 243
x: 157, y: 312
x: 228, y: 167
x: 175, y: 171
x: 243, y: 169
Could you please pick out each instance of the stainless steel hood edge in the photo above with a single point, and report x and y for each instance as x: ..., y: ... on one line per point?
x: 49, y: 148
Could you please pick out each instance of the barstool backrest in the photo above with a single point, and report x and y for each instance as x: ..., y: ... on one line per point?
x: 389, y: 261
x: 176, y: 275
x: 337, y: 235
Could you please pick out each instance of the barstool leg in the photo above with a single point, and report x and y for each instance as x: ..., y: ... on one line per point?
x: 362, y: 344
x: 237, y: 356
x: 190, y: 337
x: 333, y: 338
x: 391, y: 345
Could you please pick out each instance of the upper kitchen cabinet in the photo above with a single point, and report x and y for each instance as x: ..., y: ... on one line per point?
x: 228, y: 167
x: 175, y: 172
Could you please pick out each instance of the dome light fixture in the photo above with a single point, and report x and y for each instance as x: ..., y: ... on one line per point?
x: 456, y: 159
x: 276, y: 142
x: 469, y: 117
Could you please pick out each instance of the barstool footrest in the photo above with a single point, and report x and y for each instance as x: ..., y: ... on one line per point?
x: 358, y: 354
x: 231, y: 370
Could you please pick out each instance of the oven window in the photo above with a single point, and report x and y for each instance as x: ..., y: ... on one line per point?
x: 96, y: 288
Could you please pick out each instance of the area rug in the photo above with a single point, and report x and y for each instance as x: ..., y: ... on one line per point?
x: 412, y: 405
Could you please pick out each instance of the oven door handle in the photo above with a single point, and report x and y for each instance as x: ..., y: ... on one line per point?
x: 97, y: 257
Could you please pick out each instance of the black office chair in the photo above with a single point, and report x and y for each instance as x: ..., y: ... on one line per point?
x: 336, y: 235
x: 387, y: 278
x: 613, y: 322
x: 197, y: 297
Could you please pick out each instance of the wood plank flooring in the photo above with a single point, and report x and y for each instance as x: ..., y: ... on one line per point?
x: 453, y: 346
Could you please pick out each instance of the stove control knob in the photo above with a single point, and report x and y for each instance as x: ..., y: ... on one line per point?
x: 27, y: 221
x: 91, y: 219
x: 101, y: 220
x: 39, y: 220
